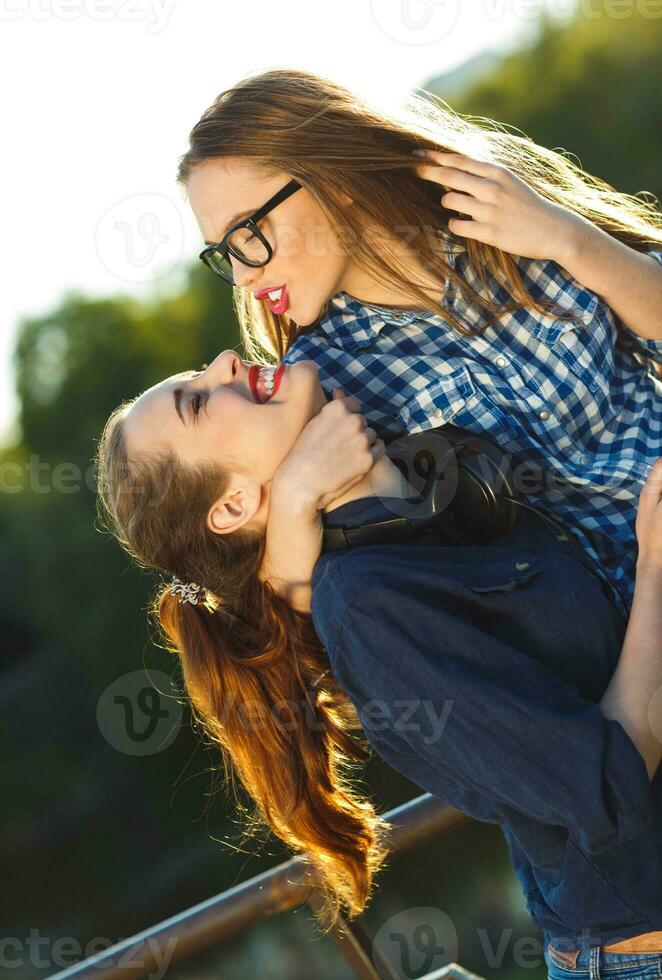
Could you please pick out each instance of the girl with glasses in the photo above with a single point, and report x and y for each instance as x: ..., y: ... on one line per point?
x: 520, y: 304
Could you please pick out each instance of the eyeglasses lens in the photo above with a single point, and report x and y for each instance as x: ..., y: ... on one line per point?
x: 247, y: 245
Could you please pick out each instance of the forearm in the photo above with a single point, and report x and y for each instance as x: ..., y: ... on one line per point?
x: 631, y: 697
x: 628, y: 281
x: 293, y: 545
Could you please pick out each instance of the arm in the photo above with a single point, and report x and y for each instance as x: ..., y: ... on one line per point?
x: 629, y: 282
x: 510, y: 733
x: 333, y: 452
x: 486, y: 727
x: 505, y: 211
x: 630, y: 697
x: 293, y: 544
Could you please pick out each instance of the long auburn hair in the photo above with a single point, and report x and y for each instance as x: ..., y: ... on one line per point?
x: 289, y: 120
x: 251, y: 667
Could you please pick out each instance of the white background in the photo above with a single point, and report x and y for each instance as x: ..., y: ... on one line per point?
x: 99, y: 97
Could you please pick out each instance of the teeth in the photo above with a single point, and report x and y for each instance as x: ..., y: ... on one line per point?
x: 276, y: 294
x: 266, y: 376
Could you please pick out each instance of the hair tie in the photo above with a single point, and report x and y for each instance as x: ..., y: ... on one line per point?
x: 186, y: 591
x: 315, y: 683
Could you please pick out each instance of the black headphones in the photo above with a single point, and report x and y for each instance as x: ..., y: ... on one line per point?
x: 469, y: 493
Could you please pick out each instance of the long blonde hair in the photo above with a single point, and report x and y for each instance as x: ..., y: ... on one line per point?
x: 330, y: 139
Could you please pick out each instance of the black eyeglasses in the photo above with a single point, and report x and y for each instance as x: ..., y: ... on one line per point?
x: 244, y: 240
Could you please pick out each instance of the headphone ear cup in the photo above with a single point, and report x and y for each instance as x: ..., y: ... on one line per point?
x: 467, y: 501
x: 485, y: 480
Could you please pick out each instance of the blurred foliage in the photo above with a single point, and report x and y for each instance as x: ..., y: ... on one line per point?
x: 96, y: 842
x: 73, y: 367
x: 590, y: 86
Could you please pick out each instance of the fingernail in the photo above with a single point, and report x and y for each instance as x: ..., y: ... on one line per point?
x: 418, y: 153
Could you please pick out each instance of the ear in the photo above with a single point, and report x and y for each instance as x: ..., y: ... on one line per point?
x: 234, y: 508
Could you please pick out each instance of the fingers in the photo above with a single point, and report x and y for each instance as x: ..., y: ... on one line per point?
x: 351, y: 403
x: 377, y: 445
x: 459, y: 161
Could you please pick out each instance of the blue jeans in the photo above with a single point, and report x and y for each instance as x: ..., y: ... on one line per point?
x: 596, y: 964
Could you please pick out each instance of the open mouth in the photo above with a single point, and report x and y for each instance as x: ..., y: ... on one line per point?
x: 264, y: 381
x: 278, y: 300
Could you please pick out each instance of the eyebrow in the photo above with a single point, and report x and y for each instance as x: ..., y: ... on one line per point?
x: 177, y: 395
x: 236, y: 217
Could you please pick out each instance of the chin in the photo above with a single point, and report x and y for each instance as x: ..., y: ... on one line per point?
x: 308, y: 318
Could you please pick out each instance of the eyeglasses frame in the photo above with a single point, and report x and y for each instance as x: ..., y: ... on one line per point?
x: 251, y: 223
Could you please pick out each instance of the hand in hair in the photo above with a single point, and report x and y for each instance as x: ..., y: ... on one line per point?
x: 499, y: 207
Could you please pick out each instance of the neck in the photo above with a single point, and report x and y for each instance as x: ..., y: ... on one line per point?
x: 363, y: 287
x: 383, y: 480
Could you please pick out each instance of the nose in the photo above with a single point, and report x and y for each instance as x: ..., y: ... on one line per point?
x: 229, y: 368
x: 226, y: 366
x: 243, y: 275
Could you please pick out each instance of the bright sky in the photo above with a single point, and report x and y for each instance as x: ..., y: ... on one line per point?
x: 99, y: 97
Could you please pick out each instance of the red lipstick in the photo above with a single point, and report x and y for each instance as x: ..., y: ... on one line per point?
x: 280, y: 305
x: 258, y: 389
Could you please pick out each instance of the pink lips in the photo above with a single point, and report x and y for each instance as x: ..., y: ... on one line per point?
x: 261, y: 293
x: 253, y: 373
x: 282, y: 303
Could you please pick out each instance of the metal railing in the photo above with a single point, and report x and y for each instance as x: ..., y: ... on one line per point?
x: 284, y: 887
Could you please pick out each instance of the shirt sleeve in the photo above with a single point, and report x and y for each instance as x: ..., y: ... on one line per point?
x: 485, y: 726
x: 648, y: 348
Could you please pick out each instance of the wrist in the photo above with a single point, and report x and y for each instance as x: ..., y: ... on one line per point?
x: 575, y: 234
x: 297, y: 496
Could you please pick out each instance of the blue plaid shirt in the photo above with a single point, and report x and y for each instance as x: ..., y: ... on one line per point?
x: 582, y: 404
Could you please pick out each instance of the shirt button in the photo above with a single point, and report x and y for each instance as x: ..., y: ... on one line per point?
x: 501, y: 361
x: 438, y: 413
x: 521, y: 565
x: 544, y: 415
